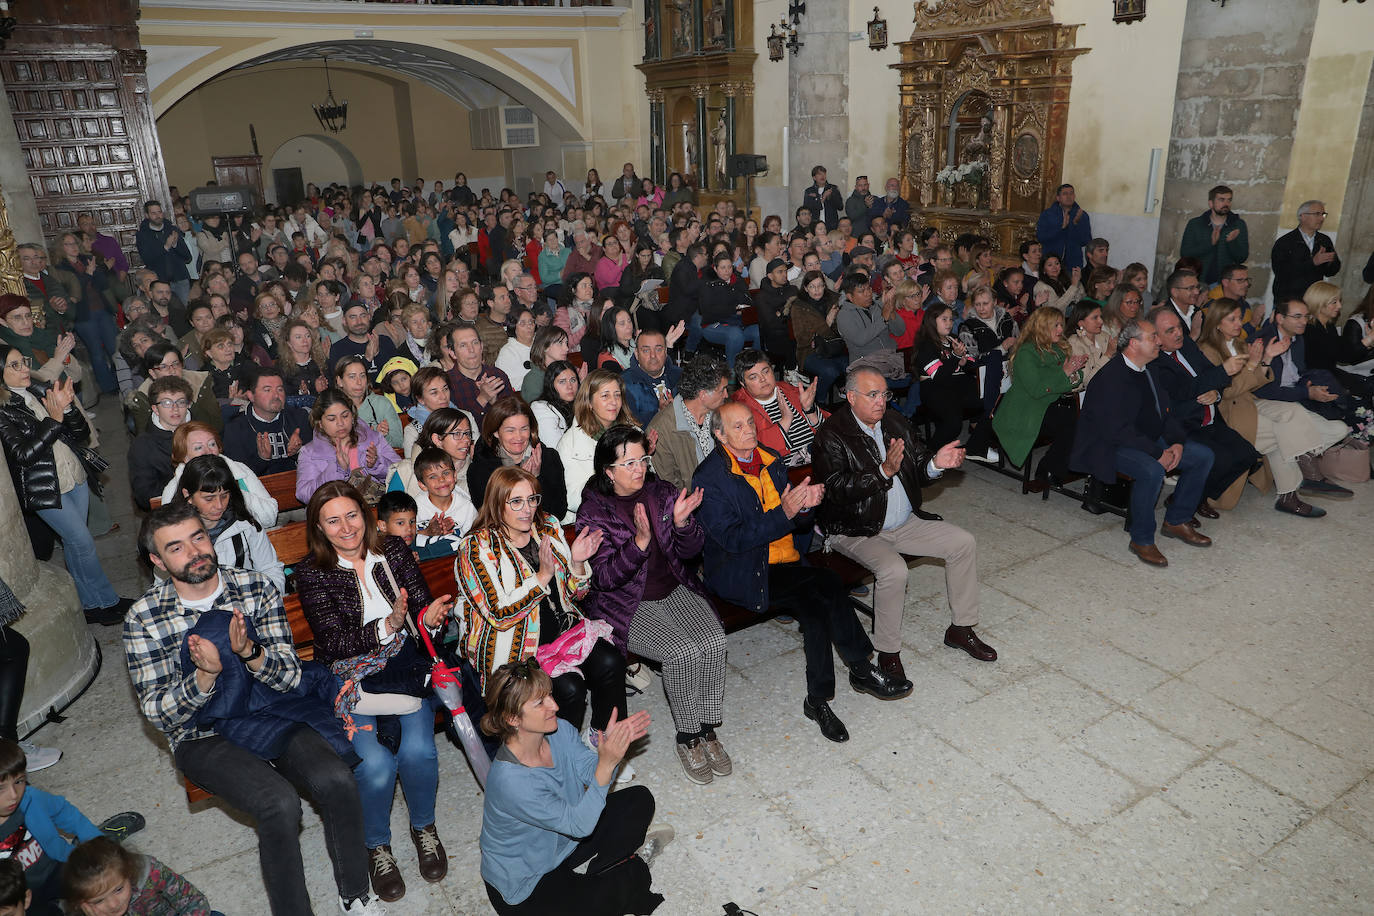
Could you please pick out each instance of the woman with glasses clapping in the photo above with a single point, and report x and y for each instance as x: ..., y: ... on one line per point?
x: 524, y: 584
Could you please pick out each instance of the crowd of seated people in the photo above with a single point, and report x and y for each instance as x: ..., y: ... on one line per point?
x: 607, y: 418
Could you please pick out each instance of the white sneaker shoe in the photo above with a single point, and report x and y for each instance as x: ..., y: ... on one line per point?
x: 363, y: 906
x: 992, y: 457
x: 639, y: 677
x: 624, y: 775
x: 39, y: 758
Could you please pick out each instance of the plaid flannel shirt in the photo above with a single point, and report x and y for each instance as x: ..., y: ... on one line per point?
x: 155, y: 630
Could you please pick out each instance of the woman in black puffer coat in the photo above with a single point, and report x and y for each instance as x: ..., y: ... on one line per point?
x: 41, y: 431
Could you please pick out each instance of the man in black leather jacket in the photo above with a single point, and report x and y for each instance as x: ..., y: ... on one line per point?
x: 861, y: 454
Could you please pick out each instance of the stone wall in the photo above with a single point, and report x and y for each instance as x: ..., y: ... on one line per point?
x: 818, y: 106
x: 1355, y: 241
x: 1240, y: 81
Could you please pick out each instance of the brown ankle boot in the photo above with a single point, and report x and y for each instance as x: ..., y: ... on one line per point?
x: 890, y: 664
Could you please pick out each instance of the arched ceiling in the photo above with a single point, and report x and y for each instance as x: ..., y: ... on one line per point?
x: 464, y: 87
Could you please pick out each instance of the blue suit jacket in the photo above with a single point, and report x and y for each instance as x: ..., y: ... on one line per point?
x: 639, y: 388
x: 1119, y: 412
x: 1181, y: 389
x: 1297, y: 353
x: 1067, y: 243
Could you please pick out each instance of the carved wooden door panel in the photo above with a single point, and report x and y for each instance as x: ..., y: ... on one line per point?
x: 72, y: 114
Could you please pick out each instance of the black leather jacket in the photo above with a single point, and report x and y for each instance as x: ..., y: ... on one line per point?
x: 846, y: 460
x: 28, y: 444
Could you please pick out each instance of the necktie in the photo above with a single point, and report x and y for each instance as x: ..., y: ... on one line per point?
x: 1154, y: 393
x: 1207, y: 408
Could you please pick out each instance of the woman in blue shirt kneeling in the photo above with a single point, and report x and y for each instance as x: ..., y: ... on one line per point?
x: 547, y: 809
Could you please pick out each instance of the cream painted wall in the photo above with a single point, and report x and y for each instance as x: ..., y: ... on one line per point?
x: 1121, y: 106
x: 276, y: 100
x: 318, y: 161
x: 770, y: 114
x: 1338, y: 68
x: 874, y: 99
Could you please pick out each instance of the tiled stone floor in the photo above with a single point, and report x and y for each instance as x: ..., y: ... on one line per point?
x: 1197, y: 739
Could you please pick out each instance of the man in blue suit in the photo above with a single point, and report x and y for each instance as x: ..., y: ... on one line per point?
x: 1064, y: 228
x: 1126, y: 427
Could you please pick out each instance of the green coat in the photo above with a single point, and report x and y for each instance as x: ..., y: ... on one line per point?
x: 1037, y: 381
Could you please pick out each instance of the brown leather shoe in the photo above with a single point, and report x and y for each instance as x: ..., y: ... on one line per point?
x: 1186, y: 534
x: 964, y: 638
x: 430, y: 851
x: 890, y: 664
x: 387, y: 882
x: 1149, y: 553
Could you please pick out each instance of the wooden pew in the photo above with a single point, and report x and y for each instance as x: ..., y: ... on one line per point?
x: 289, y: 542
x: 280, y: 486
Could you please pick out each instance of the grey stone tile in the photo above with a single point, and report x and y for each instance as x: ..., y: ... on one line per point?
x: 1133, y: 746
x: 1336, y: 726
x: 1293, y: 766
x: 1073, y: 786
x: 1191, y: 713
x: 1243, y: 815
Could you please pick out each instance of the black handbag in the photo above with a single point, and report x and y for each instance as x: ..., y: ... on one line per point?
x: 828, y: 347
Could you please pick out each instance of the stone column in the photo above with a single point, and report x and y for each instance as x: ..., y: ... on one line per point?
x: 1235, y: 115
x: 818, y: 101
x: 63, y: 655
x: 14, y: 180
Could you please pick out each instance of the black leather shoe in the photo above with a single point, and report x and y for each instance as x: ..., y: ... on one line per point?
x: 819, y: 711
x: 875, y: 683
x: 964, y: 638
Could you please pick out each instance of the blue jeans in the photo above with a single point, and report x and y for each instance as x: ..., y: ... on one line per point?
x: 828, y: 371
x: 98, y: 334
x: 1148, y: 476
x: 417, y: 762
x: 732, y: 337
x: 78, y: 547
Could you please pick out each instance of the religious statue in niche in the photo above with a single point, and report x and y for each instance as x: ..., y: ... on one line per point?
x: 690, y: 153
x: 714, y: 24
x: 969, y: 152
x: 719, y: 150
x: 977, y: 148
x: 682, y: 26
x: 651, y: 29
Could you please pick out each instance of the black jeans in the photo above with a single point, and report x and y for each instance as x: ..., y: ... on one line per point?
x: 271, y: 794
x: 603, y: 676
x: 820, y: 602
x: 616, y: 882
x: 14, y: 664
x: 1058, y: 425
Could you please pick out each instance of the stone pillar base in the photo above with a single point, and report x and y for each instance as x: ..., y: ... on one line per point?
x: 63, y: 655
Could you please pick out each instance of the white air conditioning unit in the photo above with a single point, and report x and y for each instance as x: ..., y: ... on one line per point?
x: 504, y: 127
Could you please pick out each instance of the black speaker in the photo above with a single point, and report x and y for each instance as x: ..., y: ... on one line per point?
x: 742, y: 164
x: 223, y: 199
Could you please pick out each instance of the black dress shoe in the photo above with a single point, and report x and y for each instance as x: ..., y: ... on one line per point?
x: 964, y: 638
x: 1207, y: 511
x: 876, y: 683
x: 819, y: 711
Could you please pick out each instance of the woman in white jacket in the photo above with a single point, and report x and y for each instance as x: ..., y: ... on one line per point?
x: 194, y: 439
x: 209, y: 486
x: 599, y: 405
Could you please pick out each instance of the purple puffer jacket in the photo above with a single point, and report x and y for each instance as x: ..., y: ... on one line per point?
x: 619, y: 570
x: 317, y: 464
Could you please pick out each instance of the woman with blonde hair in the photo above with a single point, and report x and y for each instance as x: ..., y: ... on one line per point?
x: 1126, y: 303
x: 1040, y: 402
x: 1326, y: 348
x: 1284, y: 432
x: 600, y: 404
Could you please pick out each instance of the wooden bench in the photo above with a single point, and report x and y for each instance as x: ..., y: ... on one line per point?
x: 289, y: 542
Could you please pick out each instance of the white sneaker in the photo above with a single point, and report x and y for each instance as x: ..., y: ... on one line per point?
x: 992, y: 457
x: 623, y: 776
x: 39, y: 758
x: 363, y: 906
x: 639, y: 677
x: 795, y: 378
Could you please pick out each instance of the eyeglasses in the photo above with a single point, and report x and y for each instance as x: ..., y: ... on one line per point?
x: 1303, y: 317
x: 520, y: 502
x: 169, y: 404
x: 20, y: 315
x: 1189, y: 289
x: 1321, y: 213
x: 456, y: 434
x: 883, y: 395
x: 22, y: 363
x: 630, y: 464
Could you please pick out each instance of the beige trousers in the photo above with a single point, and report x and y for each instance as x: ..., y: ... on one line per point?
x: 881, y: 555
x: 1285, y: 430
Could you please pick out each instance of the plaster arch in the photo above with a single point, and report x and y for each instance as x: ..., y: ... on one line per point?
x: 548, y: 81
x: 306, y: 150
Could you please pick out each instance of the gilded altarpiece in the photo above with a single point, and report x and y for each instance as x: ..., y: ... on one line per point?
x: 699, y: 76
x: 984, y: 86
